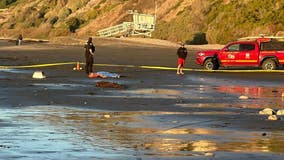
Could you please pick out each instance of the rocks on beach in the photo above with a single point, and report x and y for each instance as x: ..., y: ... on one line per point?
x: 272, y: 114
x: 273, y: 118
x: 280, y: 112
x: 267, y: 111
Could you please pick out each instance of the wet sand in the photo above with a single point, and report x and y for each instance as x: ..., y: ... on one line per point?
x: 158, y: 115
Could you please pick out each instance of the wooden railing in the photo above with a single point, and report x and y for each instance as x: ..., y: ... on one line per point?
x: 121, y: 29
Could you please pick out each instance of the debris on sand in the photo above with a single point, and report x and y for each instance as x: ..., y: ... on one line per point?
x: 280, y: 112
x: 104, y: 84
x: 103, y: 74
x: 267, y: 111
x: 106, y: 116
x: 273, y: 118
x: 38, y: 75
x: 208, y: 154
x: 243, y: 97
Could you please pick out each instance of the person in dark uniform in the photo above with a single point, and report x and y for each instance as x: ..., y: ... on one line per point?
x: 182, y: 54
x: 89, y: 54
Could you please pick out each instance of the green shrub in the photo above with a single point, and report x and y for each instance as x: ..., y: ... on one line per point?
x: 108, y: 8
x: 5, y: 3
x: 102, y: 1
x: 73, y: 24
x: 177, y: 4
x: 75, y: 5
x: 43, y: 10
x: 93, y: 13
x: 64, y: 13
x: 238, y: 18
x: 222, y: 21
x: 96, y: 11
x: 179, y: 29
x: 53, y: 20
x: 12, y: 26
x: 198, y: 39
x: 161, y: 31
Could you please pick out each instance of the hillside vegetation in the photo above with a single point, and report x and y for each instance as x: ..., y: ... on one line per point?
x: 190, y: 21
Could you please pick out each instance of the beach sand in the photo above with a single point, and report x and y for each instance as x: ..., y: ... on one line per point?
x: 157, y: 115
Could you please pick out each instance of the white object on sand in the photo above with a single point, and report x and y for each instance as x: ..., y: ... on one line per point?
x: 208, y: 154
x: 272, y: 118
x: 106, y: 116
x: 267, y: 111
x: 243, y: 97
x: 38, y: 75
x: 108, y: 74
x: 280, y: 112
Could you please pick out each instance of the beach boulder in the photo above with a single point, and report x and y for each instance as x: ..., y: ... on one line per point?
x: 272, y: 118
x: 267, y: 111
x: 280, y: 112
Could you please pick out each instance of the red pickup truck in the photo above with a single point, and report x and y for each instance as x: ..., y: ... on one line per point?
x: 265, y: 52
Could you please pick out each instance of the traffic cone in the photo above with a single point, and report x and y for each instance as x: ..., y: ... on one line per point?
x: 77, y: 67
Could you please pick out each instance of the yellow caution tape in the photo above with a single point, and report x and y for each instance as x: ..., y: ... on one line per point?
x: 133, y: 66
x: 37, y: 65
x: 203, y: 70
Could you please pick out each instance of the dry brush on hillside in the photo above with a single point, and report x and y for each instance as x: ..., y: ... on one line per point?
x: 190, y: 21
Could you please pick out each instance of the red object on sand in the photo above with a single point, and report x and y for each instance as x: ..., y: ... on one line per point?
x: 77, y: 67
x: 95, y: 75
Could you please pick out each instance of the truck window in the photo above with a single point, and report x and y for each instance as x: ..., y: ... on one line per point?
x: 234, y: 47
x: 247, y: 47
x: 272, y: 46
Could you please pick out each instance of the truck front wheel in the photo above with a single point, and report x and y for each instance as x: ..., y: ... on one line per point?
x: 269, y: 64
x: 210, y: 64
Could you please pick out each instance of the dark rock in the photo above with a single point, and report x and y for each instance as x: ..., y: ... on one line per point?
x: 104, y: 84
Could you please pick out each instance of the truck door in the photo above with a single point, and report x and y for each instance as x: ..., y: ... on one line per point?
x: 239, y: 54
x: 248, y: 55
x: 228, y: 55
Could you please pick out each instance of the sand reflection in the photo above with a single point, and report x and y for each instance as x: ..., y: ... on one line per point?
x: 259, y: 96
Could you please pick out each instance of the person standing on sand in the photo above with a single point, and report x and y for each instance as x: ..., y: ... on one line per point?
x: 182, y: 54
x: 20, y: 39
x: 89, y: 55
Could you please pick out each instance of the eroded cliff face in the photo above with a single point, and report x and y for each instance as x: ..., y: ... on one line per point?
x: 177, y: 20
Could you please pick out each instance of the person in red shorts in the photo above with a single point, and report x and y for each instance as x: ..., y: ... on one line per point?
x: 182, y: 54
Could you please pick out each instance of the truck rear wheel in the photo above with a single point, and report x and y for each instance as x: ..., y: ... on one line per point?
x: 210, y: 64
x: 269, y: 64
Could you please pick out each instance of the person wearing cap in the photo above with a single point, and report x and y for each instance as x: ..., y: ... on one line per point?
x: 89, y: 55
x: 182, y: 54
